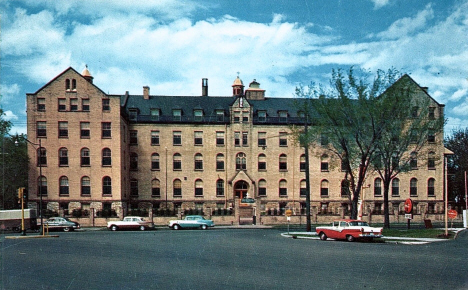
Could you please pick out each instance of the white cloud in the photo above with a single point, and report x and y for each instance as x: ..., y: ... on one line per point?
x: 380, y: 3
x: 9, y: 92
x: 458, y: 95
x: 9, y: 116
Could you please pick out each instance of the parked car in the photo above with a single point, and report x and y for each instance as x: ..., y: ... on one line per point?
x: 191, y: 221
x: 349, y: 230
x: 129, y: 223
x: 61, y: 223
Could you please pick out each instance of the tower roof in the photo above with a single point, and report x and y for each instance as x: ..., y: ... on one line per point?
x: 86, y: 72
x: 238, y: 82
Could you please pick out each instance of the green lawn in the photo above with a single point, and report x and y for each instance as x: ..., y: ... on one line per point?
x: 417, y: 233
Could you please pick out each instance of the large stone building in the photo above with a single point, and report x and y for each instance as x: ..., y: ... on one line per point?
x: 231, y: 158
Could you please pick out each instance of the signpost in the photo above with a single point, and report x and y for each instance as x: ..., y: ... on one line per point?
x: 288, y: 214
x: 408, y: 210
x: 452, y: 214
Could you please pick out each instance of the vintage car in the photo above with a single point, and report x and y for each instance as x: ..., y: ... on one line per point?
x: 129, y: 223
x: 349, y: 230
x: 191, y: 221
x: 60, y: 223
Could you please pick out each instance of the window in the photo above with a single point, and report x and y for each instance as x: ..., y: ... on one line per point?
x: 431, y: 187
x: 73, y: 84
x: 262, y: 162
x: 155, y: 188
x: 220, y: 115
x: 67, y: 84
x: 220, y: 162
x: 220, y: 138
x: 63, y: 129
x: 41, y: 130
x: 261, y: 139
x: 106, y: 157
x: 105, y: 104
x: 42, y: 186
x: 283, y: 116
x: 324, y: 188
x: 41, y: 156
x: 262, y: 116
x: 303, y: 188
x: 85, y: 157
x: 345, y: 185
x: 133, y: 161
x: 106, y: 185
x: 85, y: 185
x: 324, y: 163
x: 240, y: 161
x: 324, y: 140
x: 431, y: 136
x: 154, y: 138
x: 177, y: 162
x: 236, y: 117
x: 431, y: 160
x: 302, y: 163
x: 431, y: 114
x: 283, y: 139
x: 245, y: 117
x: 395, y: 187
x: 133, y: 137
x: 198, y: 137
x: 177, y: 188
x: 134, y: 187
x: 245, y: 139
x: 283, y: 162
x: 414, y: 160
x: 85, y: 105
x: 262, y: 190
x: 154, y: 114
x: 62, y: 104
x: 73, y: 105
x: 155, y: 161
x: 219, y: 187
x: 413, y: 187
x: 177, y: 138
x: 198, y: 162
x: 283, y: 188
x: 198, y: 187
x: 237, y: 139
x: 414, y: 112
x: 41, y: 104
x: 106, y: 130
x: 63, y: 157
x: 176, y: 115
x: 198, y: 115
x: 133, y: 114
x: 377, y: 187
x: 63, y: 185
x: 84, y: 130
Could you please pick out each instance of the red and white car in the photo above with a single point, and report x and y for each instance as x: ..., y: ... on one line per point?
x: 349, y: 230
x: 129, y: 223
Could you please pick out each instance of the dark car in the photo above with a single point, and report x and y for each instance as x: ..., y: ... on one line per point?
x: 61, y: 223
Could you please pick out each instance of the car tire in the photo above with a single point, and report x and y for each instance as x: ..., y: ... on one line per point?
x: 350, y: 238
x: 204, y: 227
x: 114, y: 228
x: 176, y: 227
x: 142, y: 228
x: 323, y: 236
x: 66, y: 229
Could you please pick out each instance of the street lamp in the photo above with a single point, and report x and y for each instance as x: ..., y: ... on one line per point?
x: 38, y: 160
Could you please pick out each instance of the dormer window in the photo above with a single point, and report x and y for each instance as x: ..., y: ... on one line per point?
x: 262, y: 116
x: 177, y: 115
x: 283, y: 116
x: 132, y: 114
x: 155, y: 113
x: 198, y: 115
x: 220, y: 116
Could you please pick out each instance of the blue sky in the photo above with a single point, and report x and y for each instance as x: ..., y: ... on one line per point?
x: 171, y: 45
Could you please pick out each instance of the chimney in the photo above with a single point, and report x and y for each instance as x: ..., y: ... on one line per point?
x: 146, y: 91
x: 204, y: 87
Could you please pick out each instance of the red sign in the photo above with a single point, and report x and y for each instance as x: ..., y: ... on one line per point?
x: 408, y: 205
x: 452, y: 214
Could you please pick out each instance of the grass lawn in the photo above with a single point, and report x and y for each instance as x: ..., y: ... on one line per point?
x: 417, y: 233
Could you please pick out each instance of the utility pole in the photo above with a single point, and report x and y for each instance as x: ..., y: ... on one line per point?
x: 306, y: 149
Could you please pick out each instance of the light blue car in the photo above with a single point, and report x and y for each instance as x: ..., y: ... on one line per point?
x: 191, y: 221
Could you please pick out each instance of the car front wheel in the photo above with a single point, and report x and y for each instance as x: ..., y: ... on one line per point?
x: 66, y: 229
x: 114, y: 228
x: 203, y: 227
x: 176, y: 227
x: 350, y: 238
x: 323, y: 236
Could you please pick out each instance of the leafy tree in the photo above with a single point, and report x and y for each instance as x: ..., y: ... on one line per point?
x: 458, y: 163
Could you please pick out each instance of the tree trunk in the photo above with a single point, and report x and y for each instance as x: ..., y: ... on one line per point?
x: 386, y: 183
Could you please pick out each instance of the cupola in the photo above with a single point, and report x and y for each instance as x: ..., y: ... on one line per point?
x: 237, y: 87
x: 87, y: 75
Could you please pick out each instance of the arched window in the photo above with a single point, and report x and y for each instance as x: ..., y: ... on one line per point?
x: 283, y: 162
x: 303, y: 188
x: 106, y: 185
x: 324, y: 162
x: 241, y: 161
x: 431, y: 187
x: 413, y: 187
x: 155, y: 161
x: 85, y: 157
x: 63, y: 156
x: 302, y: 163
x: 324, y: 188
x: 220, y: 162
x: 85, y: 185
x: 106, y: 157
x: 262, y: 187
x: 283, y: 187
x: 177, y: 188
x: 198, y: 187
x: 177, y: 162
x: 395, y: 187
x: 198, y: 162
x: 155, y: 187
x: 134, y: 187
x: 67, y: 84
x: 133, y: 161
x: 42, y: 186
x: 63, y: 185
x: 261, y: 162
x: 219, y: 187
x: 377, y: 187
x: 74, y: 84
x: 41, y: 156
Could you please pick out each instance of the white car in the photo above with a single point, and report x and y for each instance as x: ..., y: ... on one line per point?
x: 129, y: 223
x: 349, y: 230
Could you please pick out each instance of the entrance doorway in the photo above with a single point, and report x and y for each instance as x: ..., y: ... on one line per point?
x: 241, y: 189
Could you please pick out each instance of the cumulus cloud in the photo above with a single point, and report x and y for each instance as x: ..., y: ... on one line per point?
x: 380, y: 3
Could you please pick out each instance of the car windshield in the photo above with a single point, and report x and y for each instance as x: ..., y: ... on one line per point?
x: 359, y: 223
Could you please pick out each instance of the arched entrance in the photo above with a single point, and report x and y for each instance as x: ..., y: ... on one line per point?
x: 241, y: 189
x: 244, y: 210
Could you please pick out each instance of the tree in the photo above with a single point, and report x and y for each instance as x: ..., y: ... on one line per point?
x: 458, y: 163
